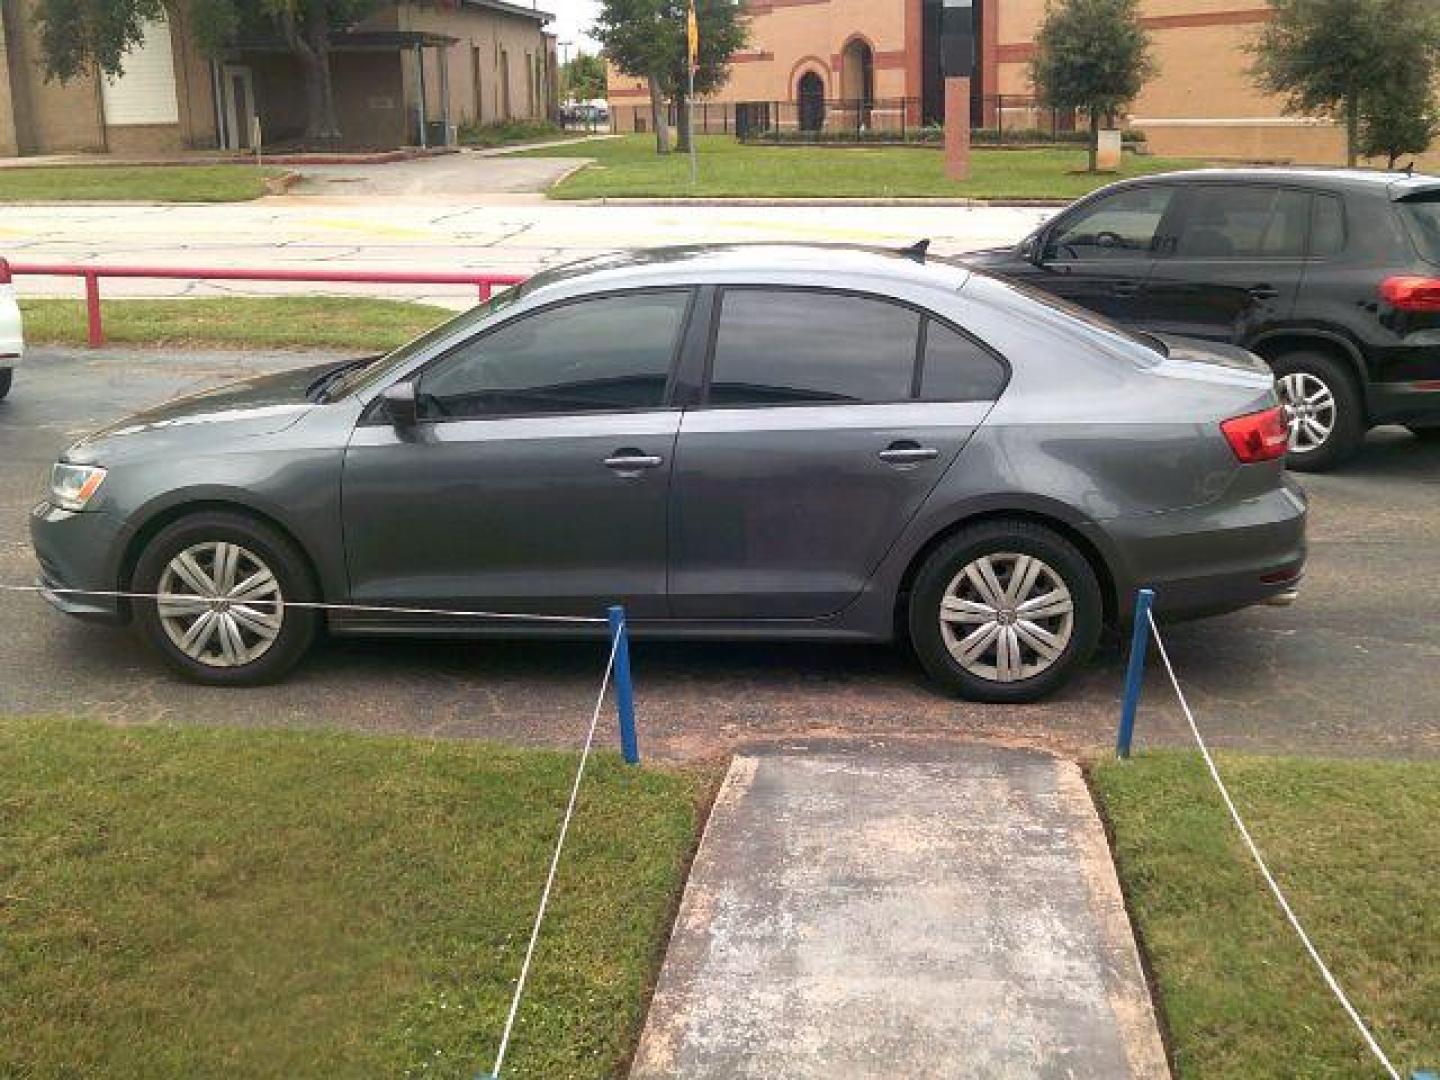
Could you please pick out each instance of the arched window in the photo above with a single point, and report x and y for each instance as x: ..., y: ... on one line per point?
x: 857, y: 73
x: 811, y: 94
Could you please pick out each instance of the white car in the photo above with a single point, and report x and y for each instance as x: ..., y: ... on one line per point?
x: 12, y: 337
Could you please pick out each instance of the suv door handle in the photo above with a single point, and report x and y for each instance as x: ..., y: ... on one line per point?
x: 1125, y: 288
x: 907, y: 453
x: 1263, y: 292
x: 628, y: 460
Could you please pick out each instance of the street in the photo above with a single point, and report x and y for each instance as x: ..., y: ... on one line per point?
x: 395, y: 233
x: 1348, y: 670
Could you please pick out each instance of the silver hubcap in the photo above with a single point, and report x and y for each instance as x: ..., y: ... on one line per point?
x: 1309, y: 410
x: 222, y: 604
x: 1006, y: 617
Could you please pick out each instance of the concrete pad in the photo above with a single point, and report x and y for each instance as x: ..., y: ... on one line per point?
x: 864, y: 911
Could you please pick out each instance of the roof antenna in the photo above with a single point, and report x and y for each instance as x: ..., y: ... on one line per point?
x: 917, y: 250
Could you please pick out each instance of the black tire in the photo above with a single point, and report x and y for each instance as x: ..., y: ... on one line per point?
x: 1000, y: 538
x: 1348, y: 426
x: 1426, y: 434
x: 267, y: 546
x: 7, y: 377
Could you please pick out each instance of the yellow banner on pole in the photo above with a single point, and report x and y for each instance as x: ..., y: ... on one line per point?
x: 692, y: 29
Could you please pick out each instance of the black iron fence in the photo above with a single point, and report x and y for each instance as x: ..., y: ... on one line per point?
x: 997, y: 119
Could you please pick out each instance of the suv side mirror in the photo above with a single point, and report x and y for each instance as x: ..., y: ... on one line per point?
x: 401, y: 405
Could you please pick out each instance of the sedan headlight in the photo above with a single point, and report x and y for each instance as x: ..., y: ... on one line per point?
x: 73, y: 486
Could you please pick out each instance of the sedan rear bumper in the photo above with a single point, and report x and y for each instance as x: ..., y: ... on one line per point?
x: 1211, y: 559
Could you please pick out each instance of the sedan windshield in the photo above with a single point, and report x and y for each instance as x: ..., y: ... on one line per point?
x: 368, y: 374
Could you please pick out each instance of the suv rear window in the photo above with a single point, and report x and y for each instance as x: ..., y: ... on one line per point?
x: 1421, y: 216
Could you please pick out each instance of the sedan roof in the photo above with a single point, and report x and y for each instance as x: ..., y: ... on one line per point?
x: 739, y: 264
x: 1400, y: 184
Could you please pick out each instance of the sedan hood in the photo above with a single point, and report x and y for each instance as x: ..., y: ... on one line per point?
x: 250, y: 407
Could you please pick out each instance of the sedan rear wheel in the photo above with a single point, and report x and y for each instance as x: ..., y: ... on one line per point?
x: 1004, y: 611
x: 224, y: 580
x: 1322, y: 409
x: 7, y: 376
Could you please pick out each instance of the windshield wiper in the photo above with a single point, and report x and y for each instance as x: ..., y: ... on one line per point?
x: 320, y: 388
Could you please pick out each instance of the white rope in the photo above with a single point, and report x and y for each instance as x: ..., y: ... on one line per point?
x: 1330, y: 980
x: 116, y: 594
x: 555, y: 861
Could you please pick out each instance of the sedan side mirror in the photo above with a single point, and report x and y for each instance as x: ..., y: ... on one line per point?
x: 400, y: 404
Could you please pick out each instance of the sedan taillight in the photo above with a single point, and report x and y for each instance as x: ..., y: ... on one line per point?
x: 1411, y: 292
x: 1260, y: 436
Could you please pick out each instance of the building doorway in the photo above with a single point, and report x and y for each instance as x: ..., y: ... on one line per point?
x: 812, y: 101
x: 237, y: 93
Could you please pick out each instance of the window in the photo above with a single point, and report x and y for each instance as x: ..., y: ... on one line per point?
x: 1327, y: 228
x: 1118, y: 226
x: 789, y: 346
x: 1235, y: 221
x: 606, y: 354
x: 958, y: 368
x: 1421, y: 215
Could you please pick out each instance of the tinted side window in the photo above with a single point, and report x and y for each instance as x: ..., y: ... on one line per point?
x: 606, y: 354
x: 1121, y: 225
x: 958, y: 368
x: 1327, y: 226
x: 1235, y: 221
x: 784, y: 346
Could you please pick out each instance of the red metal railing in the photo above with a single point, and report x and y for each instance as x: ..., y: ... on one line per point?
x: 484, y: 283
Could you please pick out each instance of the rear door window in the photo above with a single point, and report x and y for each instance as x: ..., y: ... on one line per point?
x: 802, y: 346
x: 1242, y: 221
x: 1327, y: 226
x: 1421, y: 216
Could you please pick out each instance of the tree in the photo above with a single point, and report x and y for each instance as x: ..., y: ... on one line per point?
x: 646, y: 39
x: 77, y: 36
x: 1351, y: 60
x: 1401, y: 119
x: 584, y: 77
x: 1092, y: 55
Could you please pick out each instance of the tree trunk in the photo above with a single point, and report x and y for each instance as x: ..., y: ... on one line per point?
x: 1093, y: 150
x: 682, y: 120
x: 313, y: 51
x: 658, y: 119
x: 1352, y: 128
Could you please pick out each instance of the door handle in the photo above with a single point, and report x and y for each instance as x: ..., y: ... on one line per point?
x: 1125, y: 288
x: 907, y: 453
x: 632, y: 461
x: 1263, y: 292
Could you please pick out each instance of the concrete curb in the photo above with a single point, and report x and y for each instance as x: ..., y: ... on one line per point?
x: 897, y: 201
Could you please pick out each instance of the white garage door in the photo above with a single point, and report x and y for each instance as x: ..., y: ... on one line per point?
x: 145, y: 92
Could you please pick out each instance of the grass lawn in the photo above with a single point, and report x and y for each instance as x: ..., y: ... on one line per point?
x: 279, y: 322
x: 240, y: 903
x: 630, y: 167
x: 1356, y: 847
x: 509, y: 132
x: 123, y: 183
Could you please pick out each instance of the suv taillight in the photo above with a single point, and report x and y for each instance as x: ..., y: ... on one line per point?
x: 1261, y: 436
x: 1411, y: 292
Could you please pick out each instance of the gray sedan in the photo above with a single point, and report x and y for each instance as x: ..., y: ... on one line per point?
x: 734, y: 442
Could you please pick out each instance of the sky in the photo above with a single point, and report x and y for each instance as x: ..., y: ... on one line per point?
x: 572, y: 20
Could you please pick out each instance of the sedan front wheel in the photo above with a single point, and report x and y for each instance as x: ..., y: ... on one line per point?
x: 1004, y: 611
x: 224, y: 580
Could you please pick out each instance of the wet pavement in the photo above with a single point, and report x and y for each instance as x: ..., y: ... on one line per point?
x: 1350, y: 669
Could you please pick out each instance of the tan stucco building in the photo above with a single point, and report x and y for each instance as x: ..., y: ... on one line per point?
x: 466, y: 60
x: 1202, y: 101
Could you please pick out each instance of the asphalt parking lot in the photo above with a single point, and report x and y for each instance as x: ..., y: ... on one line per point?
x: 1350, y: 669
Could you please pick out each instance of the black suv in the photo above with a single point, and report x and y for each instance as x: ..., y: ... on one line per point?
x: 1331, y: 275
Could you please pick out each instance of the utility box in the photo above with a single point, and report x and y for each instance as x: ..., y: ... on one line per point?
x: 1107, y: 156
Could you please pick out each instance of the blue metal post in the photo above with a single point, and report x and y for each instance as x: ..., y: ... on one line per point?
x: 1135, y: 673
x: 624, y: 689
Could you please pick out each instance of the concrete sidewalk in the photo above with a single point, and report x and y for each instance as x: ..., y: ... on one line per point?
x: 869, y: 911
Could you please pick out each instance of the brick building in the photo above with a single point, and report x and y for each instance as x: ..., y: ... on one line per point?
x: 1202, y: 101
x: 402, y: 76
